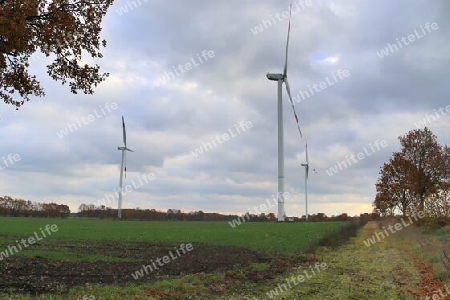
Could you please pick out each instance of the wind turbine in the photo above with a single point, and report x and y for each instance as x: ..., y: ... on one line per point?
x: 123, y: 149
x: 280, y: 78
x: 306, y: 181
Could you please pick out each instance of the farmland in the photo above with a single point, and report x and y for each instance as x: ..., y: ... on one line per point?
x: 105, y: 259
x: 98, y: 258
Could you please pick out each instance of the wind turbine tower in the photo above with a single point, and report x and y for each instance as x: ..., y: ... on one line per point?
x: 123, y: 149
x: 306, y: 182
x: 280, y: 78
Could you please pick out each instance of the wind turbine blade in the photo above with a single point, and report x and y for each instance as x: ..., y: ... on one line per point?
x: 307, y: 161
x: 288, y: 90
x: 125, y: 163
x: 286, y: 82
x: 124, y: 134
x: 287, y: 43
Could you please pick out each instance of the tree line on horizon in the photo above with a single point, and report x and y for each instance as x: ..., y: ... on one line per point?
x: 93, y: 211
x: 416, y: 178
x: 10, y: 207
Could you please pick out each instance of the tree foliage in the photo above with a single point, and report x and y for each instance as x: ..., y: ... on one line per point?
x: 22, y: 208
x: 396, y: 184
x: 416, y: 177
x: 421, y: 148
x: 60, y: 29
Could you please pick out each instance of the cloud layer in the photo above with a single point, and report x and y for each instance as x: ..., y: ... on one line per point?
x: 381, y: 99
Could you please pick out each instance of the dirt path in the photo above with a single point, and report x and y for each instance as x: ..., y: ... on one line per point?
x: 386, y: 269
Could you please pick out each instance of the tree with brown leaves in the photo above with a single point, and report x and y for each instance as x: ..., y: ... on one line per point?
x: 395, y: 184
x: 421, y: 148
x: 438, y: 204
x: 414, y: 176
x: 62, y: 29
x: 382, y: 206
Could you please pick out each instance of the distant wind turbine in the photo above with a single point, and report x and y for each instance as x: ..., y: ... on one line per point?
x: 306, y: 181
x: 123, y: 149
x: 280, y: 78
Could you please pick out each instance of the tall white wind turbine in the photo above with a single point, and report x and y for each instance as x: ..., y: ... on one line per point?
x: 123, y: 149
x: 306, y: 181
x: 280, y: 78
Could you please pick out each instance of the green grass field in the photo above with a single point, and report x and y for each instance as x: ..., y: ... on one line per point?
x: 124, y: 246
x: 280, y: 237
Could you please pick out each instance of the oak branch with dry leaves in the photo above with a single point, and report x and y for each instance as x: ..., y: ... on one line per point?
x: 60, y: 29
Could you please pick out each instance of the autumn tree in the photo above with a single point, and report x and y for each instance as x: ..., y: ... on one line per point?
x: 395, y: 185
x: 438, y: 204
x: 417, y: 173
x: 382, y: 206
x: 421, y: 148
x: 445, y: 183
x: 60, y: 29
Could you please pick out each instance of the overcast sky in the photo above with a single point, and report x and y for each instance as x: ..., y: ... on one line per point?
x: 225, y: 90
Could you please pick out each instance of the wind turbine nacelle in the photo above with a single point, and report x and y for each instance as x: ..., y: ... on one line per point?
x: 275, y: 76
x: 125, y: 149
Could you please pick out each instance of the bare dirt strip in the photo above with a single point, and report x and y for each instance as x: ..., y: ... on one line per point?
x: 37, y: 274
